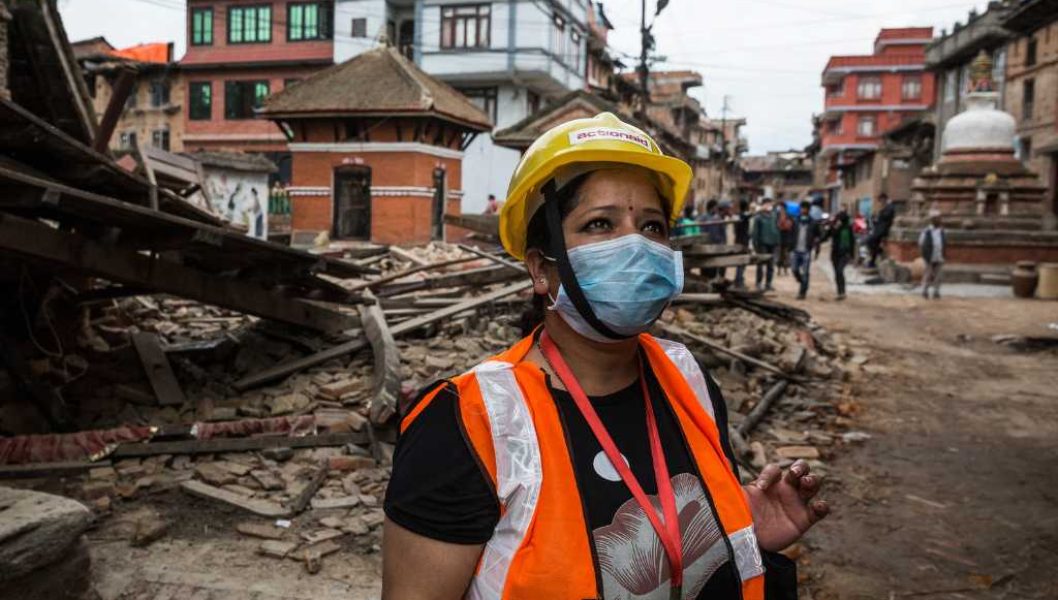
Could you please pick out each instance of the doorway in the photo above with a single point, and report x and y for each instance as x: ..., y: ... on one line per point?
x: 352, y: 202
x: 438, y: 229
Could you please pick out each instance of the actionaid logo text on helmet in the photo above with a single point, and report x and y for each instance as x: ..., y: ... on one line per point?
x: 601, y: 133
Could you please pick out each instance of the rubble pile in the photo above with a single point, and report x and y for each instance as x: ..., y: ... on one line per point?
x: 297, y: 466
x: 811, y: 419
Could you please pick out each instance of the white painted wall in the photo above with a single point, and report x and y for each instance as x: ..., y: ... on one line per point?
x: 345, y: 45
x: 487, y: 168
x: 240, y: 197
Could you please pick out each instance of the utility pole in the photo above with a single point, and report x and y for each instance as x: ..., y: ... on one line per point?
x: 723, y: 146
x: 644, y: 50
x: 646, y: 45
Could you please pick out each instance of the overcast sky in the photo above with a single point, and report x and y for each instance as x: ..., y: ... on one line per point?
x: 765, y: 55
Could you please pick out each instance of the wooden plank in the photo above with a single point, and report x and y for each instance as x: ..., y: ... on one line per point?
x: 55, y: 469
x: 226, y: 243
x: 299, y: 504
x: 29, y: 238
x: 473, y: 277
x: 408, y: 256
x: 496, y: 259
x: 679, y: 332
x: 115, y: 107
x: 386, y: 377
x: 262, y: 508
x: 374, y: 283
x: 720, y: 262
x: 163, y: 381
x: 244, y: 444
x: 282, y: 370
x: 709, y: 250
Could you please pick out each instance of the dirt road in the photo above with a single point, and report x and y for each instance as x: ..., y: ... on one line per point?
x: 956, y: 494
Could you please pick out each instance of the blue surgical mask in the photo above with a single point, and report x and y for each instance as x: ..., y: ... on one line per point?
x: 627, y: 281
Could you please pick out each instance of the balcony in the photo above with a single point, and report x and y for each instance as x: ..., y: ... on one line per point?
x: 840, y: 66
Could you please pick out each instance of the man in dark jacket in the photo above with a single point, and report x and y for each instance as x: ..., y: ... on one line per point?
x: 932, y: 242
x: 764, y: 234
x: 805, y: 234
x: 883, y: 222
x: 842, y: 249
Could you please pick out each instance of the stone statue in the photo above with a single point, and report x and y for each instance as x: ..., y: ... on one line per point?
x: 981, y: 73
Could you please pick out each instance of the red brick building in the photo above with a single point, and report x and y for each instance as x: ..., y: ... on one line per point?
x: 867, y: 96
x: 377, y: 149
x: 239, y: 52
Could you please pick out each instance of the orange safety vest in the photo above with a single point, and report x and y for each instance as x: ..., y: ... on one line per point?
x: 540, y: 547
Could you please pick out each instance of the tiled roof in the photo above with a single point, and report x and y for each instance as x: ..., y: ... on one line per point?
x: 836, y: 62
x: 377, y: 81
x: 906, y: 33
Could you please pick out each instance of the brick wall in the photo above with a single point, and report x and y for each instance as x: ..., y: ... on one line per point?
x: 976, y: 254
x: 395, y: 219
x: 1042, y: 125
x: 143, y: 118
x: 219, y: 133
x: 279, y: 49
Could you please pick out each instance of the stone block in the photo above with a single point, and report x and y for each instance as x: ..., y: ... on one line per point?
x: 36, y: 529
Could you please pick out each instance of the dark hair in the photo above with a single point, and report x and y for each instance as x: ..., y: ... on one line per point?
x: 883, y: 196
x: 538, y: 237
x: 711, y: 204
x: 688, y: 210
x: 743, y: 205
x: 805, y: 204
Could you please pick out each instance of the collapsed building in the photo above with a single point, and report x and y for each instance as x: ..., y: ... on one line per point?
x: 161, y: 369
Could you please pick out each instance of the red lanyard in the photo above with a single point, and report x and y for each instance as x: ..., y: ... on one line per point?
x: 669, y: 531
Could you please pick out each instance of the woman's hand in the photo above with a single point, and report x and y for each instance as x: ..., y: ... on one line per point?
x: 782, y: 505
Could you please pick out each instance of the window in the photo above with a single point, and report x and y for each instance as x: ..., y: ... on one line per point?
x: 558, y: 36
x: 483, y: 98
x: 242, y: 97
x: 309, y: 21
x: 836, y: 90
x: 575, y: 43
x: 866, y: 126
x: 465, y: 26
x: 911, y: 88
x: 869, y: 88
x: 534, y: 102
x: 950, y: 83
x: 159, y: 93
x: 160, y: 139
x: 359, y: 27
x: 1030, y: 52
x: 134, y: 91
x: 1028, y: 99
x: 201, y: 26
x: 127, y: 139
x: 250, y: 24
x: 290, y: 81
x: 836, y: 127
x: 200, y: 107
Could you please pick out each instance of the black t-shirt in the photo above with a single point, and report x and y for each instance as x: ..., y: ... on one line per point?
x: 439, y: 490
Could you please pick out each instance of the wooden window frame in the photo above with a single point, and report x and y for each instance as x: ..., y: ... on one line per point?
x: 452, y: 23
x: 244, y: 10
x: 193, y: 97
x: 205, y: 37
x: 324, y: 21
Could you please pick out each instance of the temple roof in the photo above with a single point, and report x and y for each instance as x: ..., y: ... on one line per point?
x: 377, y: 82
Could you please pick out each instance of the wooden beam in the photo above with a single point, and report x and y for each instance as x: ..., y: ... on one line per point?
x: 496, y: 259
x: 721, y: 262
x: 243, y: 444
x: 386, y: 377
x: 403, y: 254
x: 679, y: 332
x: 29, y: 238
x: 472, y: 277
x: 115, y: 107
x: 282, y: 370
x: 374, y: 283
x: 159, y: 372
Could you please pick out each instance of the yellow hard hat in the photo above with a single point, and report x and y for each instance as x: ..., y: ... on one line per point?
x: 600, y: 139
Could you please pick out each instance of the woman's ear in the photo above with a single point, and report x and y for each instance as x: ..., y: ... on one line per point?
x: 536, y: 264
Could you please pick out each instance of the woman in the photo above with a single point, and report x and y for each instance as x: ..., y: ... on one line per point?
x: 589, y: 460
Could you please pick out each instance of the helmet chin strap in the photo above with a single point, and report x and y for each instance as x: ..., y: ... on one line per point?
x: 565, y: 270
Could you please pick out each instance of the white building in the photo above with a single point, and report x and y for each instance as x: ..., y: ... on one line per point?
x: 509, y: 56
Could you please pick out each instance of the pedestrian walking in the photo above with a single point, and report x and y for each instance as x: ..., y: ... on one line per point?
x: 589, y: 459
x: 932, y: 242
x: 883, y: 222
x: 764, y: 234
x: 842, y: 248
x: 806, y: 232
x: 786, y: 224
x: 742, y: 239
